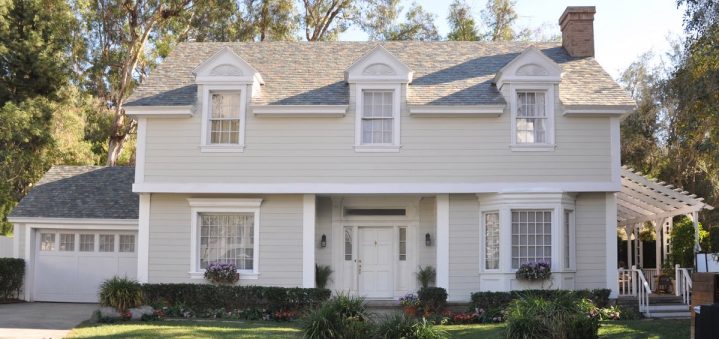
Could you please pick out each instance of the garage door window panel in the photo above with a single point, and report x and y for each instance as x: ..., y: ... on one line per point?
x: 87, y: 242
x: 127, y: 243
x: 47, y: 242
x: 107, y: 243
x: 67, y: 242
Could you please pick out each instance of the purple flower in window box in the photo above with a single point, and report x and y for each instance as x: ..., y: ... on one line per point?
x: 534, y: 270
x: 222, y: 273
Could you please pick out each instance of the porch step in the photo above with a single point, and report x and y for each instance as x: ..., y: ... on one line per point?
x: 669, y: 311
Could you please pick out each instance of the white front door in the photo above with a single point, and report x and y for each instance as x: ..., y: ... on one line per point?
x: 375, y: 262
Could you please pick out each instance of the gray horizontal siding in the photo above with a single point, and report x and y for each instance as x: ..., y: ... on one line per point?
x: 280, y: 240
x: 463, y: 246
x: 590, y: 219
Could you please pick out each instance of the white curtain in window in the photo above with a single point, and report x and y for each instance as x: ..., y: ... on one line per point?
x: 225, y: 118
x: 531, y: 118
x: 227, y: 238
x: 377, y: 118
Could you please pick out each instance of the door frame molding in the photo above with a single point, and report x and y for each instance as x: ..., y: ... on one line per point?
x: 340, y: 221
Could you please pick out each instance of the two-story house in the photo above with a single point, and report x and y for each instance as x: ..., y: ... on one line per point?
x: 374, y: 158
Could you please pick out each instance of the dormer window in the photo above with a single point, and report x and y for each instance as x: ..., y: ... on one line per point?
x: 531, y: 120
x: 529, y: 84
x: 377, y: 80
x: 225, y: 82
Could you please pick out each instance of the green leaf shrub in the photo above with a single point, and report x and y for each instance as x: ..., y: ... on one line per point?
x: 12, y: 273
x: 500, y: 300
x: 432, y: 299
x: 399, y: 325
x: 342, y: 316
x: 563, y: 316
x: 120, y: 293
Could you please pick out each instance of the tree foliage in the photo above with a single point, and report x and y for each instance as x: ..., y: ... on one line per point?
x: 500, y: 16
x: 461, y: 22
x: 681, y: 242
x: 380, y: 20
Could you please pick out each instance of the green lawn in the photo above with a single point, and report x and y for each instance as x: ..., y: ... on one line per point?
x: 659, y: 329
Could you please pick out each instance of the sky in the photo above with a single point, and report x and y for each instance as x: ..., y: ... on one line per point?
x: 623, y: 29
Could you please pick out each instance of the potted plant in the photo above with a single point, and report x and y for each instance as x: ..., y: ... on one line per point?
x: 534, y: 271
x: 426, y: 275
x: 410, y: 302
x: 222, y: 274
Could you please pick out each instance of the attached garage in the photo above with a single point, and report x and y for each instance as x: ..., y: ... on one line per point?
x: 75, y: 229
x: 71, y: 264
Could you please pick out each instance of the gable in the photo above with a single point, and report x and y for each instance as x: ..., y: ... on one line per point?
x: 379, y: 65
x: 529, y: 66
x: 226, y: 66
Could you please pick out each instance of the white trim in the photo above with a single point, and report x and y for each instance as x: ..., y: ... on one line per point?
x: 29, y: 285
x: 611, y: 244
x: 597, y: 110
x: 77, y: 223
x: 202, y: 205
x: 308, y: 240
x: 530, y: 56
x: 16, y: 240
x: 143, y: 112
x: 299, y: 111
x: 379, y: 188
x: 456, y: 111
x: 206, y: 91
x: 615, y: 151
x: 140, y: 146
x: 396, y: 117
x: 549, y: 107
x: 443, y: 241
x: 143, y: 239
x: 400, y: 73
x: 226, y: 55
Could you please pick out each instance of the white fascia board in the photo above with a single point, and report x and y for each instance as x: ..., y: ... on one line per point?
x: 377, y: 188
x: 456, y: 111
x: 597, y: 110
x: 299, y: 111
x: 159, y: 111
x: 72, y: 221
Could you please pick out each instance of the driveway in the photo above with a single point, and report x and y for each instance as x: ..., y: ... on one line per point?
x: 42, y: 320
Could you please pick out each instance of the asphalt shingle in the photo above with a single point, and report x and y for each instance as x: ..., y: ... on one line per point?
x: 312, y: 73
x: 82, y: 192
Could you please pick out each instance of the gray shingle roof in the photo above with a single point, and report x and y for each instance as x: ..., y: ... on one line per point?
x: 81, y: 192
x: 312, y: 73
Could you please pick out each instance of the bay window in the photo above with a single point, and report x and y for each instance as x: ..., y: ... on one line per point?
x: 491, y: 241
x: 531, y: 236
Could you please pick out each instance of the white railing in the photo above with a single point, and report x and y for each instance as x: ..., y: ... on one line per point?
x: 683, y: 282
x: 652, y: 275
x: 626, y: 283
x: 643, y: 291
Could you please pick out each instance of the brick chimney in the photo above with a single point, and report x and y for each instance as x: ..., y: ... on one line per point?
x: 577, y: 25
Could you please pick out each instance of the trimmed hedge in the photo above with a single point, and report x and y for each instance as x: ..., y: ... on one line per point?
x: 433, y: 299
x: 203, y: 297
x: 12, y: 273
x: 500, y: 300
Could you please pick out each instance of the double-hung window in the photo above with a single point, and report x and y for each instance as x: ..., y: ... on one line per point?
x: 225, y: 118
x: 377, y: 117
x: 227, y: 238
x: 532, y: 122
x: 531, y: 236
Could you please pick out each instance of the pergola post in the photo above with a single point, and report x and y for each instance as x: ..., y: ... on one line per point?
x: 658, y: 243
x: 639, y: 261
x: 629, y: 245
x: 668, y: 224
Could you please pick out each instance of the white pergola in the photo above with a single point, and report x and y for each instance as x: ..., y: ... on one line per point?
x: 643, y: 200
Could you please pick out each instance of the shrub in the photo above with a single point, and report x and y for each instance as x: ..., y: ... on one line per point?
x: 322, y: 275
x: 245, y: 301
x: 221, y: 273
x: 12, y: 273
x: 426, y: 276
x: 562, y: 317
x: 433, y: 299
x: 500, y: 300
x: 681, y: 242
x: 340, y: 317
x: 120, y: 293
x: 533, y: 271
x: 401, y: 326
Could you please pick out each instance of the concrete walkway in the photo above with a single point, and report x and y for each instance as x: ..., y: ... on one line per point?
x: 42, y: 320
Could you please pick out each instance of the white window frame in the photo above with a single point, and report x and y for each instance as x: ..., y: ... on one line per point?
x: 483, y: 241
x: 572, y: 239
x: 359, y: 106
x: 199, y: 206
x: 549, y: 99
x: 207, y: 91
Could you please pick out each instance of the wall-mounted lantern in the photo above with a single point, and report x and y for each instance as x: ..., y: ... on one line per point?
x: 323, y: 241
x: 428, y: 239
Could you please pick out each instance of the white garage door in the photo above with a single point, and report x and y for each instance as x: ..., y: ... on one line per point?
x: 71, y: 264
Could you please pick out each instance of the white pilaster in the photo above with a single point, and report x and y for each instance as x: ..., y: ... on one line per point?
x: 308, y: 240
x: 611, y: 244
x: 443, y: 241
x: 143, y: 238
